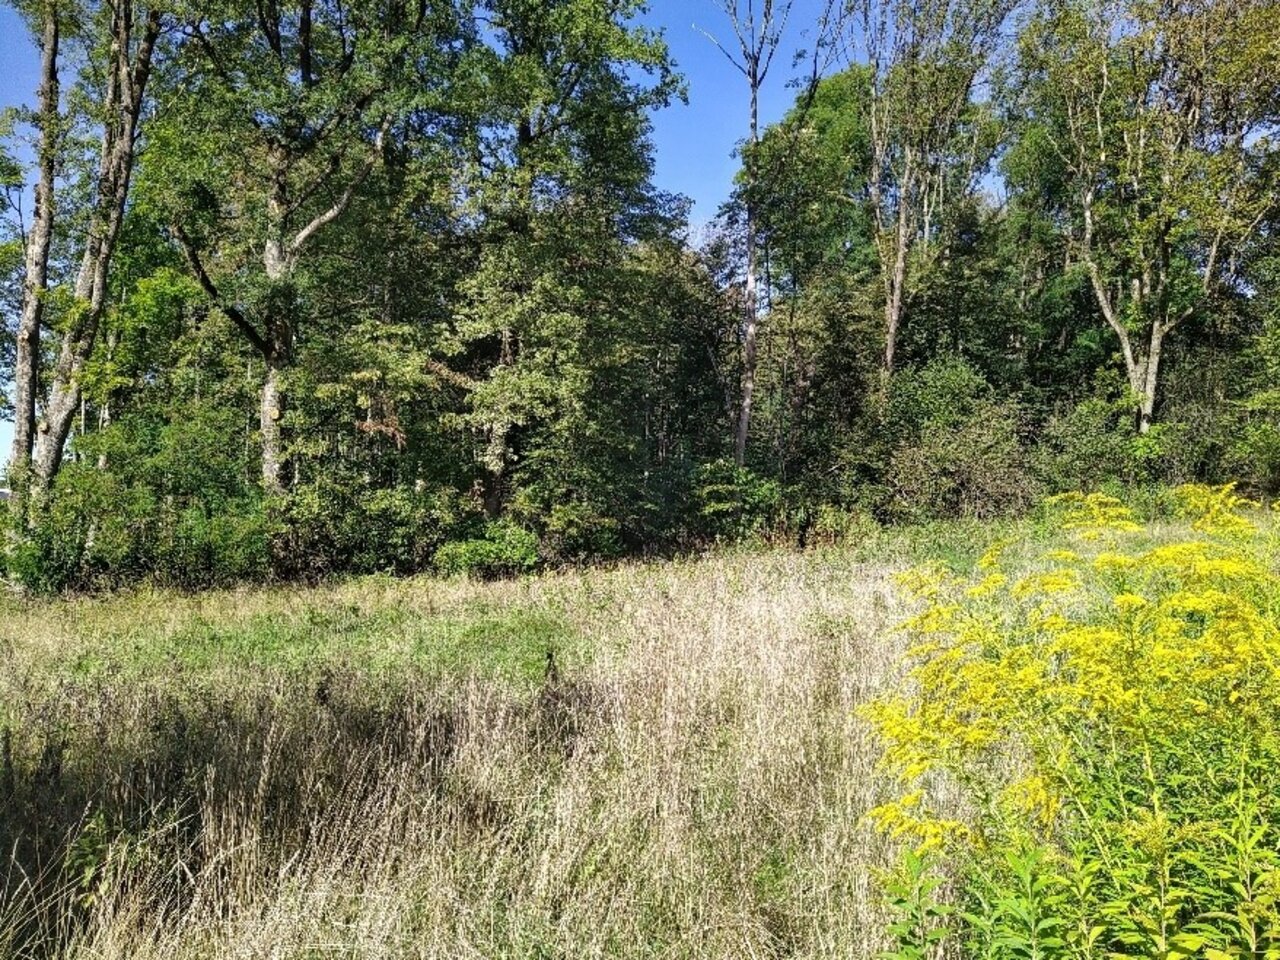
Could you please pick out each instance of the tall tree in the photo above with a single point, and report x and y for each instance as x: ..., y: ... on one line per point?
x: 758, y: 35
x: 278, y: 115
x: 930, y: 144
x: 558, y: 179
x: 39, y: 239
x: 1160, y: 120
x: 125, y: 36
x: 811, y: 172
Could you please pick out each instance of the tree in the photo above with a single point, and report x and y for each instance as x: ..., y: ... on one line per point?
x: 930, y: 142
x: 558, y: 181
x: 809, y: 191
x: 1159, y: 119
x: 124, y: 36
x: 759, y: 37
x: 758, y: 41
x: 277, y: 117
x: 38, y: 242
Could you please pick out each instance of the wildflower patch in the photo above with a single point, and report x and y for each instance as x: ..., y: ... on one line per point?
x: 1108, y: 721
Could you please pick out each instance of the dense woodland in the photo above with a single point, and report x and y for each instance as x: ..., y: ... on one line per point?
x: 339, y: 286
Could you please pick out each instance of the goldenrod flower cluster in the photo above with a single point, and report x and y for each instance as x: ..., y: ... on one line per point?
x: 1116, y: 708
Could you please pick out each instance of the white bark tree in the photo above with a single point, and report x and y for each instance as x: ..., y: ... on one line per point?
x: 132, y: 32
x: 1165, y: 122
x: 39, y: 240
x: 925, y: 59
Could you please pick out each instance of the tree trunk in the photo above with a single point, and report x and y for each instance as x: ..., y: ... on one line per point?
x: 895, y: 296
x: 1150, y: 379
x: 35, y: 282
x: 271, y: 412
x: 279, y: 346
x: 126, y: 84
x: 751, y: 307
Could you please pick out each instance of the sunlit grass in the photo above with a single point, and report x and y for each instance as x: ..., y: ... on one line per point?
x: 660, y: 760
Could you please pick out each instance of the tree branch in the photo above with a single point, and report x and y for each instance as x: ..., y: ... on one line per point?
x: 211, y: 290
x: 340, y: 205
x: 449, y: 375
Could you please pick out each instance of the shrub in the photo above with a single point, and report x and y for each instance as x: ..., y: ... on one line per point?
x: 94, y: 532
x: 1108, y: 722
x: 203, y: 547
x: 834, y: 525
x: 1253, y: 450
x: 973, y: 469
x: 337, y: 524
x: 100, y: 532
x: 1086, y: 446
x: 504, y: 550
x: 578, y: 531
x: 733, y: 503
x: 958, y: 452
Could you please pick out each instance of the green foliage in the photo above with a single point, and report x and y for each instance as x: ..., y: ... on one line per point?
x: 337, y: 524
x: 733, y: 502
x: 1090, y: 444
x: 437, y: 228
x: 919, y: 917
x: 958, y: 452
x: 503, y: 550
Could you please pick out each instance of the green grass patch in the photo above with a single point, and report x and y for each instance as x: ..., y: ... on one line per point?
x: 510, y: 644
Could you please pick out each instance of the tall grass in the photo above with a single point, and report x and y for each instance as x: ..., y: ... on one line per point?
x: 658, y: 761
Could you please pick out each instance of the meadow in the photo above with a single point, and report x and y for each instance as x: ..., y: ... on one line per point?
x: 661, y: 759
x: 1048, y: 738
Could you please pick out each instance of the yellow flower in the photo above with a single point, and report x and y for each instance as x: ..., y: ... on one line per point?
x: 987, y: 586
x: 1113, y: 562
x: 1215, y: 509
x: 1128, y: 602
x: 991, y: 559
x: 1050, y: 582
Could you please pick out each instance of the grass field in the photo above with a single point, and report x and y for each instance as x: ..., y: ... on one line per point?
x: 660, y: 760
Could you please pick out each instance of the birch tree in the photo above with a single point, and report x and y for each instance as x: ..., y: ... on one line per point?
x: 128, y: 38
x: 38, y: 241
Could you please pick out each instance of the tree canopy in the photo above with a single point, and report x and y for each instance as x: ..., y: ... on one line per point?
x: 317, y: 287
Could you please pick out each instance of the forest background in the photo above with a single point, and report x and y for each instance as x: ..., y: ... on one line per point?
x: 303, y: 289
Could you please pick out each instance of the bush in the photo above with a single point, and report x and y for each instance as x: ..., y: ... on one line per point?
x: 1252, y: 451
x: 1087, y: 446
x: 202, y: 547
x: 337, y: 524
x: 959, y: 453
x: 1106, y: 728
x: 100, y: 531
x: 91, y: 534
x: 576, y: 531
x: 733, y: 503
x: 835, y: 525
x: 504, y: 550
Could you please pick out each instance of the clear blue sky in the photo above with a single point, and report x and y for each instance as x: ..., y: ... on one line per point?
x: 695, y: 143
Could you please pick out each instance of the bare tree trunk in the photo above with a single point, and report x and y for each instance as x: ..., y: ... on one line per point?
x: 126, y: 83
x: 759, y: 34
x: 269, y: 419
x: 278, y: 266
x: 1151, y: 380
x: 35, y: 282
x: 751, y: 306
x: 895, y: 298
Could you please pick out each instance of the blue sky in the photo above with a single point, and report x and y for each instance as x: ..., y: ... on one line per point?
x: 694, y: 143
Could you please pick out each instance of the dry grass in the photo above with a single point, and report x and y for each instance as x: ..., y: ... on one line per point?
x: 304, y: 774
